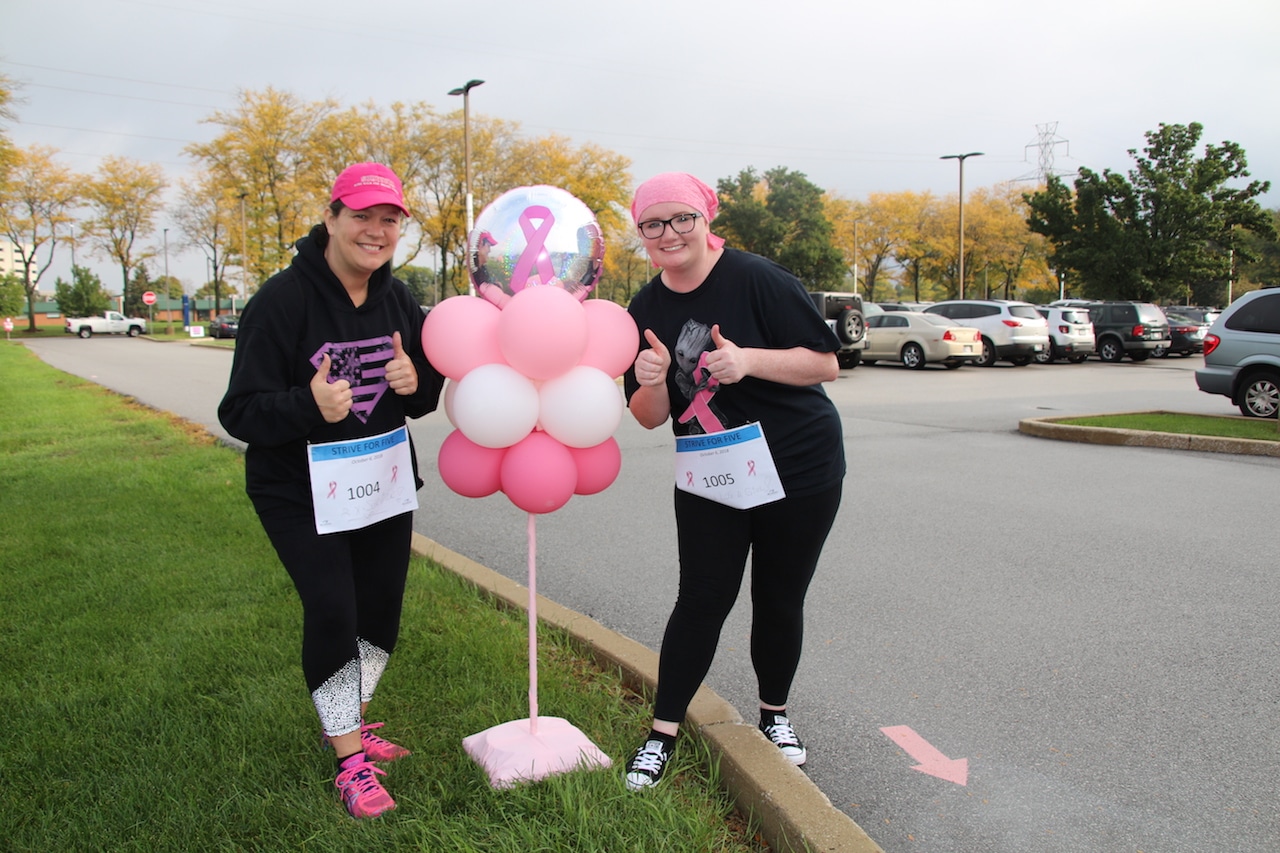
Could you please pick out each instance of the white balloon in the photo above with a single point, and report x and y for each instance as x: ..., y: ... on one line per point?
x: 495, y: 405
x: 450, y: 388
x: 580, y: 408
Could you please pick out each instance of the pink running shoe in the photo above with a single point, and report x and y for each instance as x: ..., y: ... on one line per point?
x: 375, y: 748
x: 362, y: 793
x: 378, y: 749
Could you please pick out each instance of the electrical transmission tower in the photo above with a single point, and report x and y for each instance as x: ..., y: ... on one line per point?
x: 1046, y: 141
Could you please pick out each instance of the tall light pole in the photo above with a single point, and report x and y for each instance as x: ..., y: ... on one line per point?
x: 961, y: 158
x: 465, y: 92
x: 167, y: 299
x: 244, y: 259
x: 855, y: 254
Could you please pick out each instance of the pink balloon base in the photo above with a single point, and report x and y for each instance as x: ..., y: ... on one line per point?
x: 532, y: 749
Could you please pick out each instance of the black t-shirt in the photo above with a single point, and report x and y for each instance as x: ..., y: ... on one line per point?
x: 756, y: 303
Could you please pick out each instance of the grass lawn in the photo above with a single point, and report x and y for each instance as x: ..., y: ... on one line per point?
x: 1210, y: 425
x: 155, y: 694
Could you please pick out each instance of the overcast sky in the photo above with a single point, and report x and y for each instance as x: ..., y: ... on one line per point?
x: 860, y: 97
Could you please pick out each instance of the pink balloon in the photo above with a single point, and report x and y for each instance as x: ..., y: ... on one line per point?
x: 542, y: 332
x: 461, y: 334
x: 469, y: 469
x: 538, y: 474
x: 613, y: 341
x: 597, y: 466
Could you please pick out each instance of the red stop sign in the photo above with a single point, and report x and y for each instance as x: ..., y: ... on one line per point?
x: 149, y: 298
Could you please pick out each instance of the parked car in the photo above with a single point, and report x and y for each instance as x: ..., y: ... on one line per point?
x: 1186, y: 335
x: 1011, y: 331
x: 1128, y: 328
x: 106, y: 323
x: 224, y: 326
x: 904, y: 306
x: 917, y: 339
x: 844, y: 314
x: 1070, y: 334
x: 1242, y: 354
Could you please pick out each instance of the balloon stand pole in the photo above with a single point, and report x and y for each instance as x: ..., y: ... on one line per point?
x: 532, y: 749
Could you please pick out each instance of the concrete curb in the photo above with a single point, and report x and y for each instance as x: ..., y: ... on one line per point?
x: 1050, y: 428
x: 795, y: 816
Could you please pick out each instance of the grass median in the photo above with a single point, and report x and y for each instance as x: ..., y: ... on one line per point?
x: 1217, y: 426
x: 151, y: 655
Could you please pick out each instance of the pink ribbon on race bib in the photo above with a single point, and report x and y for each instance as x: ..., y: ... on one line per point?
x: 700, y: 407
x: 333, y: 489
x: 751, y: 467
x: 689, y: 474
x: 395, y: 469
x: 535, y: 250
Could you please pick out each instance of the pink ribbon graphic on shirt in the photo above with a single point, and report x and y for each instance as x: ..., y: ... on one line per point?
x: 535, y: 250
x: 700, y: 407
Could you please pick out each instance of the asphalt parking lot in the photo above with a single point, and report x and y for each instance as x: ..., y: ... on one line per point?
x: 1093, y: 628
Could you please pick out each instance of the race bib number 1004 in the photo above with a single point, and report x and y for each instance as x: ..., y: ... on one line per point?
x: 362, y: 481
x: 733, y: 467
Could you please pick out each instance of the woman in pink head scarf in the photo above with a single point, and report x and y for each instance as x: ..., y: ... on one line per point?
x: 734, y: 355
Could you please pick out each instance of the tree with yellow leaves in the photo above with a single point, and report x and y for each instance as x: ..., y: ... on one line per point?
x: 124, y: 198
x: 37, y: 197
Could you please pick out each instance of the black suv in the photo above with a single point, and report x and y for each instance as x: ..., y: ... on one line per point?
x: 843, y: 313
x: 1134, y: 329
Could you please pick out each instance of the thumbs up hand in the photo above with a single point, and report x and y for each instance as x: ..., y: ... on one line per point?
x: 728, y: 363
x: 402, y: 376
x: 652, y: 364
x: 332, y: 398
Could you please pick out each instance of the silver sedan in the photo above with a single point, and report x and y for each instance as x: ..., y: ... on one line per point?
x: 916, y: 339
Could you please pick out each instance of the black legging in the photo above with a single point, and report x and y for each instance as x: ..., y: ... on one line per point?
x: 785, y: 539
x: 352, y: 588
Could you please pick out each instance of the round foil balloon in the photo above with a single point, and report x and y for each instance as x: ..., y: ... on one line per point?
x: 535, y: 236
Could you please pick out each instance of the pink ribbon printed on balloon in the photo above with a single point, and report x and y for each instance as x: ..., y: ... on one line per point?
x: 531, y: 237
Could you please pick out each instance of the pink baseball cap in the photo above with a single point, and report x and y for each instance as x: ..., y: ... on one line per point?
x: 364, y: 185
x: 486, y: 237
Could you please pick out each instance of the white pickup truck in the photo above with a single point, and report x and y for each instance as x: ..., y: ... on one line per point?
x: 109, y: 323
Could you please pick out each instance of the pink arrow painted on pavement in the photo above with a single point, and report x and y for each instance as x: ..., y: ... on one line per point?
x: 931, y: 760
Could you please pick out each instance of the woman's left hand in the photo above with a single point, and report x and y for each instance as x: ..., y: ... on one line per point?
x: 402, y: 376
x: 728, y: 362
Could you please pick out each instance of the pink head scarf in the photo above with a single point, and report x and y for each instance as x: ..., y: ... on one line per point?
x: 682, y: 188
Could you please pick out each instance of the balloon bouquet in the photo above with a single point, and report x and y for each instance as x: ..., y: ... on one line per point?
x: 533, y: 397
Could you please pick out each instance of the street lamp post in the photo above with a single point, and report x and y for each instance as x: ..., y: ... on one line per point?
x: 244, y: 258
x: 855, y: 254
x: 961, y: 158
x: 465, y: 92
x: 167, y: 299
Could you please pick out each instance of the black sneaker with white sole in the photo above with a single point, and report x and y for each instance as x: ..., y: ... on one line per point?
x: 786, y: 739
x: 647, y: 764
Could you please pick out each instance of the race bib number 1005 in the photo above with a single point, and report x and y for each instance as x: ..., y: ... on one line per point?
x: 733, y: 467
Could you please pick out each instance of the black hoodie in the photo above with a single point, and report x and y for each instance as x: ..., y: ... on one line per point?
x: 294, y: 319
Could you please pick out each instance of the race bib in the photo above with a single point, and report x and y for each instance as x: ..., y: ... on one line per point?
x: 733, y: 467
x: 361, y: 481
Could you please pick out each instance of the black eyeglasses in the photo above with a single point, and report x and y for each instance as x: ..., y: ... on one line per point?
x: 681, y: 223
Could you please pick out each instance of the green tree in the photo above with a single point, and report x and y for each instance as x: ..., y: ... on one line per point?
x: 1260, y: 266
x: 1165, y: 228
x: 782, y: 218
x: 84, y: 297
x: 421, y: 282
x: 12, y: 295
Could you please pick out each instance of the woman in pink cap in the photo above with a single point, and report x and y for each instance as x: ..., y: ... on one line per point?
x: 328, y: 365
x: 734, y: 354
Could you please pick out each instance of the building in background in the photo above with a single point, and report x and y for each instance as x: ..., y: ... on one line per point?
x: 11, y: 258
